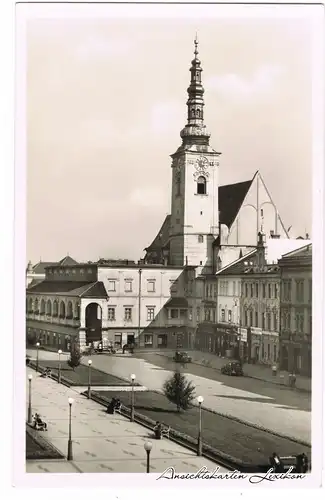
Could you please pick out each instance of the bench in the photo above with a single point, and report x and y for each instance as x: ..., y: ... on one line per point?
x: 165, y: 432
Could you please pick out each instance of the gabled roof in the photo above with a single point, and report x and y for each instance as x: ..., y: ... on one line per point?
x: 177, y: 302
x: 305, y: 250
x: 35, y: 282
x: 236, y: 267
x: 83, y: 289
x: 67, y: 261
x: 39, y: 268
x: 231, y: 198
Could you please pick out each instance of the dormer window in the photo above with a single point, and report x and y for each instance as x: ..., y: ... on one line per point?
x: 201, y: 185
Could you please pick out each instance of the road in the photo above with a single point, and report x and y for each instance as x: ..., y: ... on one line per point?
x: 269, y: 406
x: 101, y: 442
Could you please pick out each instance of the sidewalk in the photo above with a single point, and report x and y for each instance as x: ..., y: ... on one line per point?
x: 101, y: 442
x: 260, y: 372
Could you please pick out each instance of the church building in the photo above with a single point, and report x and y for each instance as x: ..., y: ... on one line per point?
x: 209, y: 225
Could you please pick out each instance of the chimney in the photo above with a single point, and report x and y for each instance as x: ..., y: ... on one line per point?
x: 307, y: 236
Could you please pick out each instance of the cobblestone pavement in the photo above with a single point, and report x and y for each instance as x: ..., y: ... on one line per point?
x: 278, y: 409
x: 101, y: 442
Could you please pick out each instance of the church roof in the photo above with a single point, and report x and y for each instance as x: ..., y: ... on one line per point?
x: 163, y: 235
x: 231, y: 198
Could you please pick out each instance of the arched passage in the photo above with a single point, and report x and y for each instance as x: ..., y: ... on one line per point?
x: 49, y: 308
x: 93, y: 315
x: 62, y: 309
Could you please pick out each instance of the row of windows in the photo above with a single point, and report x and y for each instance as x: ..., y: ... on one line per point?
x: 267, y: 321
x: 73, y: 271
x: 298, y: 324
x: 262, y: 290
x: 128, y: 313
x: 128, y: 285
x: 299, y: 289
x: 228, y: 288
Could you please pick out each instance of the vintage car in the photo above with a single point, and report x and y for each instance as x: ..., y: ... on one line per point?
x: 233, y: 368
x: 182, y: 357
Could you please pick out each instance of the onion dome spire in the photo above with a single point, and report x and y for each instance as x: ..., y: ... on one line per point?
x: 195, y: 131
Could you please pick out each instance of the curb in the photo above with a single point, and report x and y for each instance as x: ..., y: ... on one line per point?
x: 249, y: 424
x: 298, y: 389
x: 49, y: 451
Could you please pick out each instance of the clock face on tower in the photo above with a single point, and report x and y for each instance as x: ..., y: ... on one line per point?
x: 201, y: 167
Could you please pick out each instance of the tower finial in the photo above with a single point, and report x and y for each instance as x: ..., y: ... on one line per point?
x: 196, y: 43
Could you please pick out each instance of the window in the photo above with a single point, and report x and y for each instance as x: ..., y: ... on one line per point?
x: 263, y: 321
x: 223, y: 315
x: 151, y: 285
x: 252, y: 290
x: 275, y: 322
x: 264, y: 290
x: 128, y: 314
x: 174, y: 313
x: 128, y: 286
x: 198, y: 314
x: 246, y: 290
x: 148, y: 340
x: 268, y: 322
x: 256, y: 319
x: 111, y: 314
x: 200, y: 238
x: 268, y: 351
x: 256, y: 290
x: 274, y: 354
x: 183, y: 313
x: 111, y: 286
x: 269, y: 290
x: 299, y: 291
x: 178, y: 183
x: 230, y: 316
x: 286, y: 290
x: 162, y: 340
x: 201, y: 185
x: 275, y: 291
x: 310, y: 291
x: 234, y: 288
x: 310, y: 325
x: 118, y: 340
x: 250, y: 318
x: 150, y: 313
x: 246, y: 317
x: 190, y: 314
x: 215, y: 290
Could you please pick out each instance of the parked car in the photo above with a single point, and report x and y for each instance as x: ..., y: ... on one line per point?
x: 182, y: 357
x: 233, y: 368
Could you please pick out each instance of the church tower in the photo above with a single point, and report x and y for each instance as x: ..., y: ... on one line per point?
x: 194, y: 223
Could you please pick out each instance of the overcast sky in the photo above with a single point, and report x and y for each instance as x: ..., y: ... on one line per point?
x: 106, y: 100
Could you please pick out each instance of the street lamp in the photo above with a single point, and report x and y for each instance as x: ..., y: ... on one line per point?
x: 59, y: 372
x: 89, y: 377
x: 148, y: 447
x: 199, y: 440
x: 37, y: 347
x: 70, y: 457
x: 132, y: 397
x: 29, y: 419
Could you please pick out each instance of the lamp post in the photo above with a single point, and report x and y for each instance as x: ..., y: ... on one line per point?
x: 199, y: 440
x: 89, y: 378
x: 132, y: 397
x: 139, y: 306
x: 29, y: 418
x: 70, y: 456
x: 59, y: 371
x: 37, y: 347
x: 148, y: 447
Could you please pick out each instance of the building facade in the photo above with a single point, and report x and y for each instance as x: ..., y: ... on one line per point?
x: 296, y: 311
x: 114, y: 303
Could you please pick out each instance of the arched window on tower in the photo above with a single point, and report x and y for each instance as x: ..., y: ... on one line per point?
x: 201, y: 185
x: 198, y: 113
x: 178, y: 184
x: 193, y: 113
